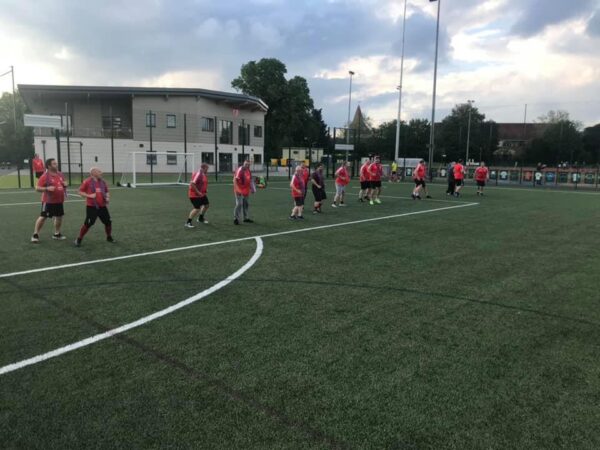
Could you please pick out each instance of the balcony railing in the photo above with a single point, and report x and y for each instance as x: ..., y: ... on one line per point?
x: 82, y: 132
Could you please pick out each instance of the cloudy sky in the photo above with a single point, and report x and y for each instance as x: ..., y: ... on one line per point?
x: 500, y: 53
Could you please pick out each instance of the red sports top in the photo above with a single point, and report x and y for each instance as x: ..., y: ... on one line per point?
x: 342, y: 177
x: 38, y: 165
x: 481, y: 173
x: 242, y: 181
x: 201, y: 181
x: 420, y: 172
x: 458, y: 171
x: 52, y: 179
x: 364, y: 172
x: 375, y: 171
x: 298, y: 186
x: 305, y: 176
x: 99, y: 187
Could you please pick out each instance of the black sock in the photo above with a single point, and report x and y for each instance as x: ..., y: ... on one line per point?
x: 201, y: 217
x: 189, y: 220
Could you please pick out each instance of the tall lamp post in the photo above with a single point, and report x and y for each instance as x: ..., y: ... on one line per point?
x: 351, y: 73
x: 470, y: 102
x: 432, y: 128
x: 397, y: 148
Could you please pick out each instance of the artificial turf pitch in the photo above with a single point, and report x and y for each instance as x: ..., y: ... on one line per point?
x: 474, y: 327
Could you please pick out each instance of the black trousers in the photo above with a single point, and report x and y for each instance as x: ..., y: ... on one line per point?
x: 451, y: 187
x: 91, y: 214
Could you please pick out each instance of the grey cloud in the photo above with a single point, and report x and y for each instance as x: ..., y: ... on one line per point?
x: 593, y: 26
x: 536, y: 15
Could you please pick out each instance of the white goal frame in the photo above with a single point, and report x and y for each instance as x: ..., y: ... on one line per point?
x: 189, y: 158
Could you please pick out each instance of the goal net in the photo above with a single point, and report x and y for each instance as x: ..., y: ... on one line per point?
x: 159, y: 169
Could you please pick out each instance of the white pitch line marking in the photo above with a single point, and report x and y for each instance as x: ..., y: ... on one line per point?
x: 229, y: 241
x: 144, y: 320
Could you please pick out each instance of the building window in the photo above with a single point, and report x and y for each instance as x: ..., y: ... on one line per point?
x: 116, y: 122
x: 171, y: 121
x: 171, y: 158
x: 151, y: 120
x: 150, y: 158
x: 257, y: 159
x: 244, y: 135
x: 208, y: 124
x: 257, y: 131
x: 225, y: 132
x: 208, y: 158
x: 242, y: 158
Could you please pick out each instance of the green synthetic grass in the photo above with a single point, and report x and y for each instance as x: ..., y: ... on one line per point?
x: 475, y: 327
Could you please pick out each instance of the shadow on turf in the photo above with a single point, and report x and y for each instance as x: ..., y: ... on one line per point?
x: 327, y: 283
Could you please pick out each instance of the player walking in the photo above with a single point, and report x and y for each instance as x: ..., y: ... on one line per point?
x: 242, y: 186
x: 318, y: 188
x: 451, y: 182
x: 298, y: 193
x: 375, y: 174
x: 38, y: 166
x: 342, y: 178
x: 459, y: 177
x: 95, y: 190
x: 52, y: 185
x: 198, y: 197
x: 482, y: 174
x: 419, y: 175
x: 365, y: 181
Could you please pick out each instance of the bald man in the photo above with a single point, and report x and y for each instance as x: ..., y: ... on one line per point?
x: 95, y: 190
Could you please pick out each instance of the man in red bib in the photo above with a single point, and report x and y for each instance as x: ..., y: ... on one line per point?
x: 52, y: 185
x: 38, y: 166
x: 95, y: 190
x: 459, y: 177
x: 482, y: 174
x: 365, y: 181
x: 375, y: 174
x: 298, y: 188
x: 342, y: 178
x: 197, y: 195
x: 419, y: 175
x: 242, y: 187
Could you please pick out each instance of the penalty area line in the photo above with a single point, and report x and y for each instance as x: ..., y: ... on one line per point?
x: 229, y: 241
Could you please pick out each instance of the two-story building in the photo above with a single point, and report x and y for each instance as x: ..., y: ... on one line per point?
x: 220, y: 128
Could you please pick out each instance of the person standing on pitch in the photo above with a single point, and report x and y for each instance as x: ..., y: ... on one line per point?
x: 375, y: 174
x: 342, y: 178
x: 198, y: 197
x: 318, y: 188
x: 52, y: 185
x: 482, y: 174
x: 459, y: 177
x: 305, y: 177
x: 394, y: 177
x: 451, y: 184
x: 365, y: 181
x: 95, y: 191
x: 298, y: 193
x: 38, y: 166
x: 242, y: 186
x: 419, y: 175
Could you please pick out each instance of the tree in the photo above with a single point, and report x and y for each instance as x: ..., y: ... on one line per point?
x: 291, y: 118
x: 591, y: 143
x: 15, y: 146
x: 560, y: 142
x: 451, y: 136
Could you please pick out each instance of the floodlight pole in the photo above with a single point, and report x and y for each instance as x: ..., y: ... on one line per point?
x: 470, y: 102
x: 351, y: 73
x: 432, y: 128
x: 397, y: 148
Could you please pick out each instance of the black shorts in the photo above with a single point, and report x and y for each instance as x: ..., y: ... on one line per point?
x: 460, y: 182
x: 299, y: 201
x: 92, y: 213
x: 319, y: 194
x: 39, y: 174
x: 480, y: 183
x: 393, y: 172
x: 199, y: 202
x: 420, y: 182
x: 375, y: 184
x: 52, y: 210
x: 364, y: 185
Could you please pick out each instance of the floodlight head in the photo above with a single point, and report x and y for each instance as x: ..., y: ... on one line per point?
x: 351, y: 73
